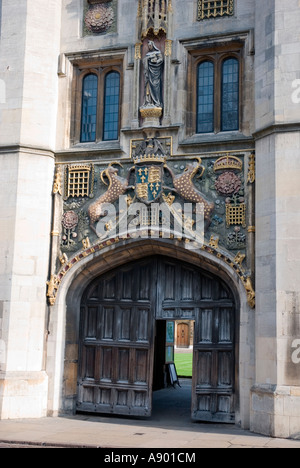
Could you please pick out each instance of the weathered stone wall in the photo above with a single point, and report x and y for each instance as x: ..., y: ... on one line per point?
x: 275, y: 402
x: 29, y: 49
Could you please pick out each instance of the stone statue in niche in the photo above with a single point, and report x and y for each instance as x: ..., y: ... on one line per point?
x: 153, y: 72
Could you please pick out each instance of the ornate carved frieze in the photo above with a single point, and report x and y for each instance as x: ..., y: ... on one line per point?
x: 154, y: 15
x: 155, y: 189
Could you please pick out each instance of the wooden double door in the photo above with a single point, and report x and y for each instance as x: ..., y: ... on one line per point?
x: 119, y: 313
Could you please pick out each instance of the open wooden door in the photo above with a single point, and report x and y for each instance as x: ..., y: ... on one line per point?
x: 214, y: 365
x: 116, y: 349
x: 116, y: 355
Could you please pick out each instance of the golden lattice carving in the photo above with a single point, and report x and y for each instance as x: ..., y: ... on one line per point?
x: 236, y: 215
x: 79, y: 181
x: 213, y: 9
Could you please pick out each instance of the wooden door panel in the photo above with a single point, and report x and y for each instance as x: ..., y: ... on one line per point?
x: 91, y: 323
x: 225, y: 374
x: 187, y: 289
x: 123, y: 324
x: 117, y: 343
x: 141, y: 366
x: 122, y: 365
x: 89, y: 359
x: 109, y: 288
x: 142, y: 325
x: 108, y: 323
x: 226, y: 328
x: 169, y: 283
x: 206, y: 288
x: 105, y: 364
x: 214, y: 365
x: 145, y: 283
x: 204, y: 368
x: 205, y: 326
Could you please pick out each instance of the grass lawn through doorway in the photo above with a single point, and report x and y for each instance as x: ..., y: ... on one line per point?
x: 184, y: 364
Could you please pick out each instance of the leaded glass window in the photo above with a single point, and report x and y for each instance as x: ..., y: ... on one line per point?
x: 205, y: 97
x: 230, y: 95
x: 89, y: 108
x: 111, y: 106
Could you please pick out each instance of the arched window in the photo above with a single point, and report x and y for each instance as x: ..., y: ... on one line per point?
x: 89, y: 108
x: 230, y: 95
x: 205, y: 97
x: 111, y: 106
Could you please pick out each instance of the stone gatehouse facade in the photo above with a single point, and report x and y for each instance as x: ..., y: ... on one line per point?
x: 149, y: 174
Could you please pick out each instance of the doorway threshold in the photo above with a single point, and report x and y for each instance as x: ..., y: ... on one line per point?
x: 173, y: 404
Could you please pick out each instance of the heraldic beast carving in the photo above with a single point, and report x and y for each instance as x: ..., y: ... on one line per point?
x: 184, y: 187
x: 148, y: 164
x: 117, y: 187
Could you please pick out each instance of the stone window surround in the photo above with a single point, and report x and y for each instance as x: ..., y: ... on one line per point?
x: 215, y: 53
x: 99, y: 65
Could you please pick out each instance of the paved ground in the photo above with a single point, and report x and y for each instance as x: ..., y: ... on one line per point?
x: 169, y: 427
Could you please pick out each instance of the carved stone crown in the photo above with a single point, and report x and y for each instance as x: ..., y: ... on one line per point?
x: 150, y: 158
x: 228, y: 162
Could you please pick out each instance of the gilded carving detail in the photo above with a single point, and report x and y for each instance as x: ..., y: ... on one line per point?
x: 79, y: 181
x: 212, y: 9
x: 138, y: 53
x: 239, y: 258
x: 151, y: 112
x: 168, y: 47
x: 214, y: 242
x: 52, y: 285
x: 57, y: 185
x: 228, y: 162
x: 86, y: 243
x: 236, y: 215
x: 250, y: 292
x: 251, y: 169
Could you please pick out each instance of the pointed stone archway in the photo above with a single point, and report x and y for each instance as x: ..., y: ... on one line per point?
x: 117, y: 338
x: 64, y: 340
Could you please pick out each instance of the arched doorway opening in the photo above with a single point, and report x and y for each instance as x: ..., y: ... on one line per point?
x: 121, y: 358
